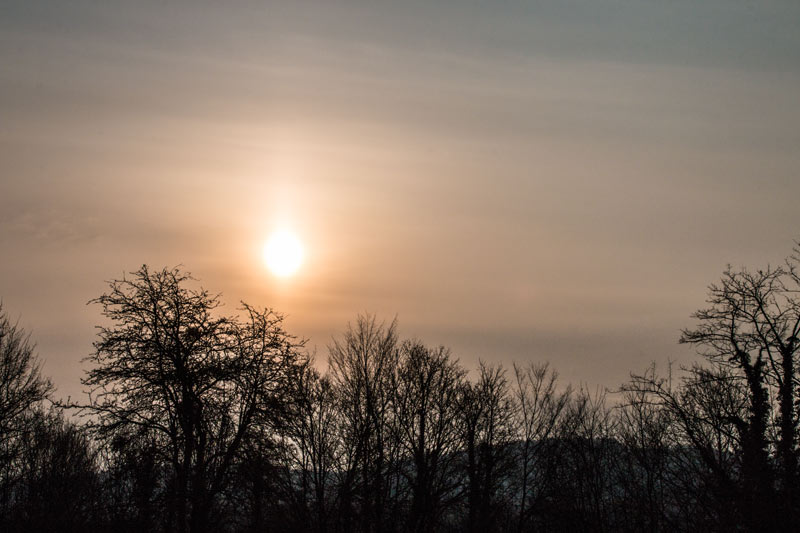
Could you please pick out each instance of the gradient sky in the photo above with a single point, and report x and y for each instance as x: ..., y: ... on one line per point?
x: 553, y: 180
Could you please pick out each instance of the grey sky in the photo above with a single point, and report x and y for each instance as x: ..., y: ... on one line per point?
x: 519, y: 180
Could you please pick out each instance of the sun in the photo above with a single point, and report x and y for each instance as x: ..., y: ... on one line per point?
x: 283, y: 253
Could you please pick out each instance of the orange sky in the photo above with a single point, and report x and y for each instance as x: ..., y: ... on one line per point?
x: 550, y: 180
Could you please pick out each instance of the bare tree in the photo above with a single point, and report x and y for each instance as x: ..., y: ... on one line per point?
x: 22, y: 389
x: 313, y: 447
x: 21, y: 383
x: 425, y: 414
x: 644, y: 427
x: 751, y: 326
x: 705, y: 414
x: 538, y: 409
x: 590, y: 455
x: 195, y: 382
x: 59, y: 489
x: 362, y: 365
x: 486, y: 432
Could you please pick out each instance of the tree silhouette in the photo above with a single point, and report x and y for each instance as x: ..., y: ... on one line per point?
x: 200, y: 421
x: 195, y: 383
x: 362, y: 365
x: 22, y: 389
x: 425, y: 403
x: 486, y: 425
x: 539, y: 410
x: 751, y: 326
x: 59, y: 487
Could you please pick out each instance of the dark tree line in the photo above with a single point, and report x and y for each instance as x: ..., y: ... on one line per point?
x: 198, y: 421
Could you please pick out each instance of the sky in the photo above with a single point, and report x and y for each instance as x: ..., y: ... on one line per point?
x: 550, y: 180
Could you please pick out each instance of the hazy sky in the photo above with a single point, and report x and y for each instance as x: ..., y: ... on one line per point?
x: 521, y: 181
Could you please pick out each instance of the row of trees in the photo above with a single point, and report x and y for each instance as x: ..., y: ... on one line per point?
x: 202, y: 422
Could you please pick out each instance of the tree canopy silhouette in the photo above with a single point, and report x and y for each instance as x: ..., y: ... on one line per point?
x: 203, y: 421
x: 192, y: 382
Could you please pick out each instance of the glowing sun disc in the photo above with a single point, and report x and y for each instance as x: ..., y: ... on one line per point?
x: 283, y: 253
